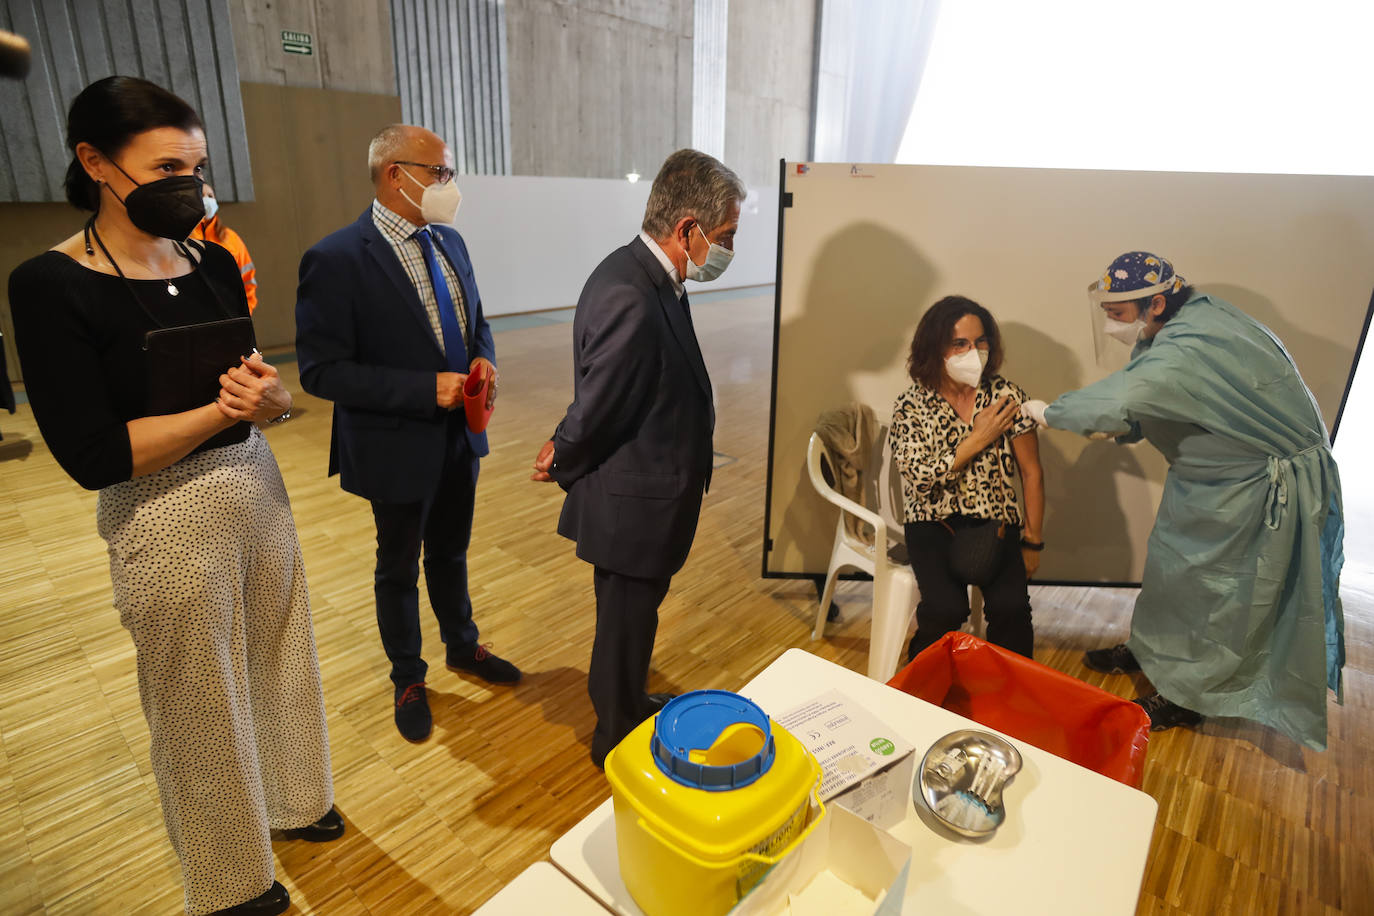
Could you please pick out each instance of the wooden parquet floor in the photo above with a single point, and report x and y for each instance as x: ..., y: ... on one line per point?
x: 1248, y: 822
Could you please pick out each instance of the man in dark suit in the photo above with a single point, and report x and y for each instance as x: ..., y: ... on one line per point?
x: 388, y: 326
x: 634, y: 450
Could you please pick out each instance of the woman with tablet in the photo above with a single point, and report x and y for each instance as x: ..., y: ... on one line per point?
x: 138, y: 362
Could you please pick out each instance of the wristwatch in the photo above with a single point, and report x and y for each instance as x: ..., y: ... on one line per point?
x: 1031, y: 545
x: 286, y: 416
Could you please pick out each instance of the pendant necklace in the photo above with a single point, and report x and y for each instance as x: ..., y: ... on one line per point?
x: 172, y: 290
x: 92, y: 231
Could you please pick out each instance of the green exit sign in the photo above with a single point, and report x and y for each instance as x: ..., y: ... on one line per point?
x: 296, y: 42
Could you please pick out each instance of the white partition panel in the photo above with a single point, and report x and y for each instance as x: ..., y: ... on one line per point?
x: 533, y: 240
x: 865, y: 249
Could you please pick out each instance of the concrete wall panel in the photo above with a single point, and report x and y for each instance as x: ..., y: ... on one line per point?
x: 179, y: 44
x: 351, y: 44
x: 598, y: 86
x: 768, y: 86
x: 451, y: 75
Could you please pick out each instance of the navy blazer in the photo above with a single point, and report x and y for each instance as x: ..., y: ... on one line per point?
x: 634, y: 450
x: 364, y: 341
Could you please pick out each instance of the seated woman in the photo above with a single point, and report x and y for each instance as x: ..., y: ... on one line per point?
x: 957, y: 437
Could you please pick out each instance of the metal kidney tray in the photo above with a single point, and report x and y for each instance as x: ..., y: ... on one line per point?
x: 961, y: 779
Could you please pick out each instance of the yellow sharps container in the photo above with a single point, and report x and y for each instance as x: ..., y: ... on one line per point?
x: 708, y: 795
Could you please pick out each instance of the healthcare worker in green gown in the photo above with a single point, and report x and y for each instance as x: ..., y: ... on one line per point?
x: 1238, y: 612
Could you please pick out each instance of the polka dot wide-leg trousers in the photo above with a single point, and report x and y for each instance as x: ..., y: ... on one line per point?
x: 209, y: 582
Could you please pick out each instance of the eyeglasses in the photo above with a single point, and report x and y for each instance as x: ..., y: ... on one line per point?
x: 442, y: 173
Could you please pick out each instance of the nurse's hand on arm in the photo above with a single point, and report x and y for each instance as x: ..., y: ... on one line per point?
x: 1035, y: 410
x: 989, y: 425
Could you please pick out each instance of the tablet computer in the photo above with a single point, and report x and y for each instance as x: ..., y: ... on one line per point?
x: 183, y: 366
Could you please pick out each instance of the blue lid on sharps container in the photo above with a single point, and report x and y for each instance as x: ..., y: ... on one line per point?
x: 693, y: 721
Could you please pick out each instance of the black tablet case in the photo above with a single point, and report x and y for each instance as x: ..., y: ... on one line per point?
x: 184, y: 365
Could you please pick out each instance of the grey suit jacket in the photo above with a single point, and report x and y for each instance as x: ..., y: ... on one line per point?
x: 634, y: 449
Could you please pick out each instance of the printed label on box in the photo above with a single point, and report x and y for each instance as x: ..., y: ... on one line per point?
x: 849, y: 743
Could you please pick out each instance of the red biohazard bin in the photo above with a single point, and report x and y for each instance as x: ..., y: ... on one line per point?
x: 1027, y: 700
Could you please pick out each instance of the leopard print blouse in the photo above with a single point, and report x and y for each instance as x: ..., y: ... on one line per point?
x: 925, y: 434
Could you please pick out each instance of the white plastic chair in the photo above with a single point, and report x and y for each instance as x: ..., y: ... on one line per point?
x: 894, y: 585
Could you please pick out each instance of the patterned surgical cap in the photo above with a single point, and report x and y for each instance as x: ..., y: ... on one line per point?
x: 1140, y: 271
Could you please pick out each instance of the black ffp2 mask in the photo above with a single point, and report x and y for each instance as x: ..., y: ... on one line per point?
x: 169, y: 207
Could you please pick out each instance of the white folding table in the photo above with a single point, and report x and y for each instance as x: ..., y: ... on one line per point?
x: 1074, y: 841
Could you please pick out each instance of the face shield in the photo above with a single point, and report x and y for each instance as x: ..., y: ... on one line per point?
x: 1131, y: 277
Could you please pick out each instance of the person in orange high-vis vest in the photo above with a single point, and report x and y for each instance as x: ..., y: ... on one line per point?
x: 211, y: 229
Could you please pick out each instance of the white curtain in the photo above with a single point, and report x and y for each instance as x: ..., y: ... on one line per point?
x: 871, y: 57
x: 710, y: 31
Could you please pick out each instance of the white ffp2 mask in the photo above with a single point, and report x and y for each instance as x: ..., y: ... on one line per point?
x: 1128, y: 332
x: 967, y: 368
x: 438, y: 202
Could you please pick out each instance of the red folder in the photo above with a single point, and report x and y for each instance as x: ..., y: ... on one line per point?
x: 475, y: 400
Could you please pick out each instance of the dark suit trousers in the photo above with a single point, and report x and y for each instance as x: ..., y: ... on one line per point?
x: 442, y: 525
x: 944, y: 598
x: 626, y: 621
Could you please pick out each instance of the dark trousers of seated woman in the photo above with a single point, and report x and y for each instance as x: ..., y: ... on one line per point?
x: 944, y: 597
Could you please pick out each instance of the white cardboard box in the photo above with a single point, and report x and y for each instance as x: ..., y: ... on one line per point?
x: 846, y: 867
x: 868, y: 767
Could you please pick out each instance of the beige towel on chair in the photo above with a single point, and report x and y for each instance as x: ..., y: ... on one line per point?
x: 849, y: 433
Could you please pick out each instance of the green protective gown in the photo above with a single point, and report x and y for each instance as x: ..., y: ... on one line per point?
x: 1239, y: 612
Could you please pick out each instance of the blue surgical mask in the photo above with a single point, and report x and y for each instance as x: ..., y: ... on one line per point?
x: 211, y: 207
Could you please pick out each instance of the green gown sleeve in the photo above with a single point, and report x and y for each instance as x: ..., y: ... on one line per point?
x: 1153, y: 385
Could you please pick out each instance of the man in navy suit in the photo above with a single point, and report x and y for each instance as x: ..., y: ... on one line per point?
x: 388, y: 326
x: 634, y: 451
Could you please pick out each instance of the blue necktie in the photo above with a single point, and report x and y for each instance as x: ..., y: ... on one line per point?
x: 455, y: 352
